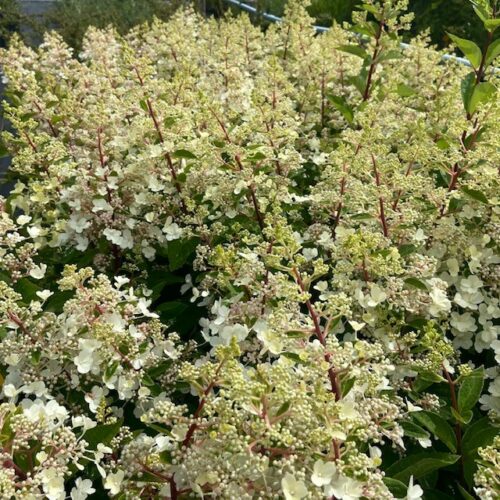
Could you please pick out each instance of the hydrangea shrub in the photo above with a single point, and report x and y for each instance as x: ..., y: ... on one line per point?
x: 247, y: 264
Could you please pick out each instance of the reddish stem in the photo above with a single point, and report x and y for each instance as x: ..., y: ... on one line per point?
x: 373, y: 64
x: 332, y: 375
x: 168, y: 157
x: 383, y: 221
x: 192, y: 428
x: 343, y: 186
x: 237, y: 158
x: 115, y: 249
x: 400, y: 192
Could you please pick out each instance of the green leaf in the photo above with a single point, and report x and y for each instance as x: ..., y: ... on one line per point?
x: 474, y: 137
x: 144, y: 105
x: 388, y: 55
x: 438, y: 426
x: 362, y: 216
x: 413, y: 430
x: 35, y: 357
x: 347, y: 385
x: 482, y: 93
x: 368, y: 29
x: 471, y: 51
x: 293, y: 356
x: 56, y: 119
x: 482, y: 9
x: 170, y: 310
x: 102, y: 434
x: 353, y: 49
x: 110, y: 370
x: 296, y: 334
x: 370, y: 8
x: 397, y: 488
x: 463, y: 418
x: 467, y: 88
x: 27, y: 289
x: 442, y: 144
x: 407, y: 249
x: 57, y: 301
x: 179, y: 252
x: 493, y: 52
x: 465, y: 494
x: 183, y: 153
x: 455, y: 205
x: 341, y: 104
x: 474, y: 194
x: 416, y: 283
x: 359, y: 80
x: 283, y: 408
x: 420, y: 464
x: 428, y: 374
x: 492, y: 24
x: 479, y: 434
x: 169, y: 121
x: 470, y: 390
x: 404, y: 90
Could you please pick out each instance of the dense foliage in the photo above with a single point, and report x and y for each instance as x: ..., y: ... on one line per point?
x: 247, y: 264
x: 439, y: 17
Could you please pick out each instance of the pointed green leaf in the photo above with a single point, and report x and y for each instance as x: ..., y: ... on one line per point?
x: 420, y: 464
x: 170, y: 310
x: 467, y: 88
x: 405, y: 90
x: 470, y: 390
x: 293, y: 356
x: 438, y: 426
x: 183, y: 153
x: 347, y: 385
x: 283, y: 408
x: 397, y: 488
x: 492, y: 24
x: 482, y: 93
x: 465, y: 494
x: 179, y: 252
x: 369, y: 28
x: 102, y: 434
x: 416, y: 283
x: 482, y: 9
x: 474, y: 194
x: 471, y: 51
x: 388, y: 55
x: 353, y: 49
x: 27, y: 289
x: 413, y: 430
x: 169, y: 121
x: 463, y: 418
x: 341, y: 104
x: 479, y: 434
x: 370, y: 8
x: 493, y: 52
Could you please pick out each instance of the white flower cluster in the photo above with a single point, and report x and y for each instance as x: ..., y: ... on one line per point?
x: 316, y: 215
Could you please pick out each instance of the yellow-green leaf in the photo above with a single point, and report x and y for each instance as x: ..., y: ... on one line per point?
x: 481, y: 94
x: 471, y: 51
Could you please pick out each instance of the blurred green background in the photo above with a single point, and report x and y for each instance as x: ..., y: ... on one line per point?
x: 72, y: 17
